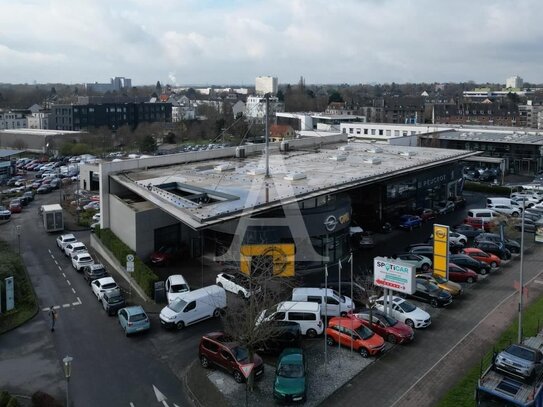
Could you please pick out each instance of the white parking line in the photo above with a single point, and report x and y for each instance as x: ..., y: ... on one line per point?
x: 79, y: 300
x: 60, y: 268
x: 65, y: 305
x: 73, y: 290
x: 49, y: 250
x: 131, y: 404
x: 56, y: 262
x: 68, y: 281
x: 64, y: 275
x: 75, y: 303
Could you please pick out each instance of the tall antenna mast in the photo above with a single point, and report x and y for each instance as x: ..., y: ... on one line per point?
x: 267, y: 150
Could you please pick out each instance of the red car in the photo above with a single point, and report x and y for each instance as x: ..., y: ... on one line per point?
x: 163, y: 256
x: 461, y: 275
x: 349, y: 331
x: 217, y: 349
x: 15, y: 206
x: 427, y: 214
x: 386, y: 326
x: 478, y: 223
x: 480, y: 255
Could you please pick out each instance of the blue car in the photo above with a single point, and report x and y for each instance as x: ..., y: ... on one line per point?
x: 410, y: 222
x: 133, y: 319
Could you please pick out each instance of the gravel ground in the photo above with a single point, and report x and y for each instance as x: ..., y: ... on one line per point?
x: 322, y: 382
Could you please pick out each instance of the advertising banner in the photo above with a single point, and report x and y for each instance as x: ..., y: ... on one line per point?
x: 394, y: 275
x: 441, y: 251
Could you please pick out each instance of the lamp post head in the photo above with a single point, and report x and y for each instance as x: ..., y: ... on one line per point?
x: 67, y: 366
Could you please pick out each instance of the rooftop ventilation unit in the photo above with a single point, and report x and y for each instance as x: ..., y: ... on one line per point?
x: 295, y: 176
x: 240, y: 152
x: 284, y: 146
x: 224, y: 167
x: 256, y: 171
x: 345, y: 148
x: 408, y: 153
x: 375, y: 150
x: 338, y: 157
x: 372, y: 161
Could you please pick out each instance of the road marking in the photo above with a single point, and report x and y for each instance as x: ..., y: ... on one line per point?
x: 68, y: 281
x: 73, y: 290
x: 131, y: 404
x: 53, y: 257
x: 79, y: 300
x: 60, y: 268
x: 75, y: 303
x: 64, y: 275
x: 49, y: 250
x: 65, y: 305
x: 56, y: 262
x: 460, y: 341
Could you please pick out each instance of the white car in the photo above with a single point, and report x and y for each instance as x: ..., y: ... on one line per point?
x: 80, y: 260
x: 100, y: 286
x: 176, y: 286
x: 237, y: 284
x: 416, y: 260
x: 528, y: 197
x: 457, y: 238
x: 63, y: 240
x: 96, y: 217
x: 74, y: 247
x: 406, y: 312
x: 507, y: 210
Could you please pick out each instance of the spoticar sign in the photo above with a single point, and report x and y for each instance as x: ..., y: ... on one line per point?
x: 394, y: 275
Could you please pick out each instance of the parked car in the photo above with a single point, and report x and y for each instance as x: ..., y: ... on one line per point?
x: 133, y: 319
x: 359, y: 294
x: 80, y: 260
x: 280, y: 335
x: 419, y: 262
x: 74, y: 247
x: 410, y: 222
x: 238, y: 284
x: 96, y: 217
x: 330, y: 301
x: 451, y: 287
x: 489, y: 258
x: 92, y: 205
x: 512, y: 245
x: 4, y: 213
x: 427, y: 214
x: 406, y: 312
x: 217, y: 349
x: 463, y: 260
x: 100, y: 286
x: 290, y: 383
x: 164, y: 255
x: 15, y: 206
x: 478, y: 223
x: 113, y: 301
x: 307, y: 314
x: 352, y: 332
x: 175, y: 286
x: 462, y: 275
x: 425, y: 250
x: 63, y: 240
x: 366, y: 241
x: 29, y: 195
x: 495, y: 248
x: 506, y: 209
x: 427, y: 291
x: 529, y: 226
x: 94, y: 272
x: 386, y: 326
x: 445, y: 207
x: 519, y: 360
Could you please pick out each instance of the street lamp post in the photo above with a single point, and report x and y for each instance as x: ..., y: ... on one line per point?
x: 521, y: 282
x: 67, y: 373
x: 18, y: 229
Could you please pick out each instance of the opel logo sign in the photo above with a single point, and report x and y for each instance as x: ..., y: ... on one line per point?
x: 440, y: 233
x: 330, y: 223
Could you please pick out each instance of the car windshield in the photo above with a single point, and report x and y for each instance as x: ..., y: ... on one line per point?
x: 114, y: 299
x: 440, y: 280
x: 177, y: 305
x: 432, y: 287
x: 138, y: 317
x: 364, y: 332
x: 109, y: 286
x: 340, y: 296
x: 179, y: 288
x: 240, y: 353
x: 290, y: 370
x: 521, y: 353
x: 407, y: 306
x: 389, y: 320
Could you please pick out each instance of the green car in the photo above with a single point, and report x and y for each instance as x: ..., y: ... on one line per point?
x: 290, y: 383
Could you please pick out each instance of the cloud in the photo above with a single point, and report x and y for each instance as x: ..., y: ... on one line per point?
x: 206, y: 41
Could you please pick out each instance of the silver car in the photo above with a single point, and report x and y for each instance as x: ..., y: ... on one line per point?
x: 519, y: 360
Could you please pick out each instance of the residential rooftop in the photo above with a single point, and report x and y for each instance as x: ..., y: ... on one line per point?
x: 514, y: 137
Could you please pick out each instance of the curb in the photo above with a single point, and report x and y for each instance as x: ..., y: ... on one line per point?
x: 192, y: 396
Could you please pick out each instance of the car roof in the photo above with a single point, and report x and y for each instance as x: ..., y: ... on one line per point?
x: 68, y: 236
x: 134, y: 309
x: 291, y: 355
x: 352, y: 323
x: 105, y: 280
x: 297, y: 306
x: 96, y: 266
x: 177, y: 279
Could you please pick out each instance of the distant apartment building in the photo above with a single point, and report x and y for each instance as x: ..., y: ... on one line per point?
x: 514, y: 82
x: 116, y: 84
x: 529, y: 113
x: 255, y: 108
x: 266, y: 84
x: 340, y: 108
x: 38, y: 120
x: 12, y: 119
x: 112, y: 115
x: 497, y: 113
x: 180, y: 113
x: 396, y: 109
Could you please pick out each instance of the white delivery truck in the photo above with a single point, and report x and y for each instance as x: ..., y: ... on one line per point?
x: 53, y: 218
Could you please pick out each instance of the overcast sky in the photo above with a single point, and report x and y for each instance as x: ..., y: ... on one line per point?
x: 232, y: 42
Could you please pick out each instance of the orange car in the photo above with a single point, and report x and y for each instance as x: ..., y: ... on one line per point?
x: 347, y: 331
x: 480, y: 255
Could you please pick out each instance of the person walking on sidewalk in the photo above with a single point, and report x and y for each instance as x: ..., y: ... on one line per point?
x: 53, y: 317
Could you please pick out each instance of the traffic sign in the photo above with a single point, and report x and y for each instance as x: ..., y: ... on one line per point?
x: 247, y: 369
x: 129, y: 266
x: 129, y: 258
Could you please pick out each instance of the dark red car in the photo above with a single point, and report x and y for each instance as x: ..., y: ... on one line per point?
x: 478, y: 223
x: 386, y: 326
x: 427, y: 214
x: 15, y: 206
x: 461, y: 275
x: 217, y: 349
x: 163, y: 256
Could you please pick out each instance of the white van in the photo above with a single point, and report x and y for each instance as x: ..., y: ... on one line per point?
x: 175, y: 286
x: 306, y: 314
x: 491, y: 202
x: 483, y: 213
x: 194, y: 306
x: 336, y: 304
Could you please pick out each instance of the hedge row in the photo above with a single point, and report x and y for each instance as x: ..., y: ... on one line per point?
x: 144, y: 276
x: 7, y: 400
x: 490, y: 189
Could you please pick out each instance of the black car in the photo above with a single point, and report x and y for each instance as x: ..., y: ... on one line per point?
x: 282, y: 334
x: 454, y: 247
x: 112, y: 301
x: 94, y: 272
x: 431, y: 293
x: 495, y: 248
x: 467, y: 230
x: 29, y: 195
x: 43, y: 189
x: 422, y: 250
x: 25, y: 200
x: 465, y: 261
x: 529, y: 226
x: 511, y: 245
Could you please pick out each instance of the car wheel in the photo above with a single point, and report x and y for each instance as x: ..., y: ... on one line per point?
x: 514, y: 214
x: 204, y: 362
x: 463, y: 242
x: 238, y: 377
x: 392, y: 339
x: 180, y: 325
x: 363, y: 352
x: 470, y: 280
x: 493, y: 264
x: 330, y: 341
x: 409, y: 323
x: 483, y: 271
x: 220, y: 285
x: 217, y: 313
x: 343, y: 314
x: 311, y: 333
x: 425, y: 267
x: 434, y: 303
x: 241, y: 295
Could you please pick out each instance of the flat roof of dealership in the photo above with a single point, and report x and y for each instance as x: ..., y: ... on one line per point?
x: 513, y: 137
x: 203, y: 192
